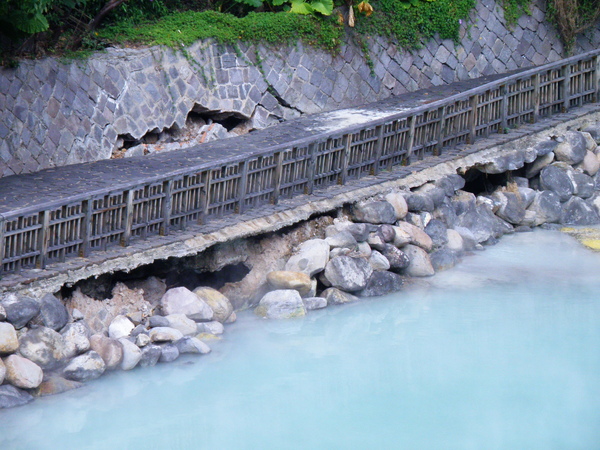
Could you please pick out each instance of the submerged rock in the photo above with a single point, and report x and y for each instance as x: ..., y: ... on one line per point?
x: 336, y: 296
x: 56, y: 385
x: 11, y: 396
x: 382, y: 283
x: 189, y: 344
x: 220, y: 304
x: 281, y: 304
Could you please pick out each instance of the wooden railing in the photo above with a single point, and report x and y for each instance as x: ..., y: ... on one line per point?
x: 34, y: 237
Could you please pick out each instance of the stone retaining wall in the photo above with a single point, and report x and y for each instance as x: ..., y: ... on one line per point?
x: 56, y: 113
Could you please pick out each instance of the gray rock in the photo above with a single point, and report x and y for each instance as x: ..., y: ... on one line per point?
x: 584, y: 185
x: 547, y: 208
x: 505, y: 163
x: 450, y: 184
x: 336, y: 296
x: 577, y: 212
x: 181, y: 300
x: 348, y: 274
x: 545, y: 147
x: 468, y: 238
x: 158, y: 321
x: 11, y: 396
x: 436, y: 194
x: 376, y: 240
x: 420, y: 264
x: 360, y: 231
x: 86, y: 367
x: 443, y: 259
x: 455, y: 241
x: 43, y: 346
x: 180, y: 322
x: 511, y: 208
x: 9, y: 343
x: 281, y: 304
x: 131, y: 354
x: 437, y: 231
x: 594, y: 131
x: 150, y: 355
x: 536, y: 166
x: 165, y: 334
x: 221, y: 306
x: 378, y: 261
x: 311, y: 258
x: 120, y: 327
x: 2, y: 313
x: 446, y: 213
x: 521, y: 182
x: 397, y: 258
x: 137, y: 330
x: 189, y: 344
x: 23, y: 373
x: 382, y: 283
x: 55, y: 384
x: 20, y: 310
x: 376, y: 212
x: 527, y: 195
x: 463, y: 202
x: 312, y: 303
x: 482, y: 223
x: 572, y: 149
x: 2, y: 371
x: 387, y: 232
x: 213, y: 327
x: 110, y: 350
x: 419, y: 202
x: 169, y: 353
x: 53, y: 313
x: 142, y: 340
x: 77, y: 338
x: 343, y: 239
x: 154, y: 288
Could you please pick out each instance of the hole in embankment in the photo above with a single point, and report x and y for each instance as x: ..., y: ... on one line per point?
x: 477, y: 182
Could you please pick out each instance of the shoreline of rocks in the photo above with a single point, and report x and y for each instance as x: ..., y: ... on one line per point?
x: 372, y: 248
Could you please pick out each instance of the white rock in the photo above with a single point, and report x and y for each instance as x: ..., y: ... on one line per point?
x: 281, y: 304
x: 455, y: 240
x: 213, y: 327
x: 401, y: 237
x: 76, y: 337
x: 312, y: 303
x: 131, y: 354
x: 417, y: 236
x: 9, y: 343
x: 120, y: 327
x: 378, y: 261
x: 142, y: 340
x: 311, y: 258
x: 397, y: 200
x: 165, y: 334
x: 420, y: 265
x: 181, y: 300
x: 23, y: 373
x: 590, y: 143
x: 182, y: 323
x: 590, y: 164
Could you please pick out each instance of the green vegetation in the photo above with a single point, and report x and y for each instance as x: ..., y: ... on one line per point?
x: 513, y: 9
x: 573, y: 17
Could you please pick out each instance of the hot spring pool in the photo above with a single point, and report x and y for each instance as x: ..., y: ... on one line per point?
x: 502, y: 352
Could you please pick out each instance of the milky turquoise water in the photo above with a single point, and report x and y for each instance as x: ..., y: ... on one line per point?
x: 502, y: 352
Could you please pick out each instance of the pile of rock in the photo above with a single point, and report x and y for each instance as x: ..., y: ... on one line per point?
x: 372, y: 250
x: 45, y: 350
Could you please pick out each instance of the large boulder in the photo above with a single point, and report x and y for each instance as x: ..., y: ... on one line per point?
x: 20, y: 310
x: 556, y: 178
x: 131, y: 354
x: 382, y: 283
x: 192, y: 345
x: 419, y: 202
x: 181, y: 322
x: 44, y: 346
x: 572, y: 149
x: 120, y: 327
x: 536, y: 166
x: 9, y: 343
x: 213, y: 327
x: 11, y: 396
x: 347, y: 273
x: 437, y: 231
x: 281, y: 304
x: 86, y: 367
x: 150, y: 355
x: 577, y: 212
x: 110, y: 350
x: 312, y: 303
x: 417, y: 236
x: 511, y: 207
x: 374, y: 212
x: 311, y: 258
x: 53, y: 313
x: 285, y: 279
x: 482, y: 223
x: 450, y: 184
x: 420, y: 264
x: 398, y: 202
x: 77, y: 338
x: 336, y: 296
x: 168, y: 353
x: 443, y: 259
x: 181, y: 300
x: 220, y: 304
x: 547, y: 208
x: 343, y: 239
x: 23, y: 373
x: 583, y: 184
x: 590, y: 164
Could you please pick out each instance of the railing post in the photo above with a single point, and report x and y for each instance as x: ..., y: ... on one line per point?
x: 310, y: 173
x: 43, y: 239
x: 411, y: 139
x: 473, y: 118
x: 596, y: 78
x: 441, y: 131
x: 536, y: 97
x: 128, y: 218
x: 205, y: 196
x: 378, y: 149
x: 345, y: 157
x: 278, y: 174
x: 504, y: 107
x: 566, y: 88
x: 242, y: 187
x: 86, y: 228
x: 165, y: 228
x: 2, y: 244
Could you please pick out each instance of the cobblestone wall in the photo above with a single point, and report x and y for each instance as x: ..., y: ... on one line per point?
x: 55, y: 113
